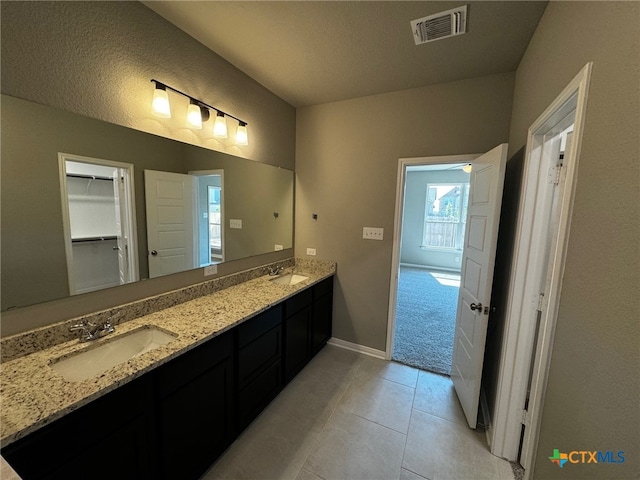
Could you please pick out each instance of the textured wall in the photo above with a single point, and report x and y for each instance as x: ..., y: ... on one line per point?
x: 97, y: 59
x: 593, y: 388
x: 346, y: 165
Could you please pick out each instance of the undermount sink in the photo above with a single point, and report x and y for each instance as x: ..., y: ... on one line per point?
x: 114, y: 351
x: 289, y: 279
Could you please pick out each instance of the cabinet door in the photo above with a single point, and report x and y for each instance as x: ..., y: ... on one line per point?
x: 115, y: 430
x: 195, y: 394
x: 297, y: 342
x: 258, y: 393
x: 119, y: 455
x: 322, y: 314
x: 322, y: 320
x: 194, y: 423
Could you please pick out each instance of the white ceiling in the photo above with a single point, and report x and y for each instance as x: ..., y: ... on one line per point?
x: 310, y: 52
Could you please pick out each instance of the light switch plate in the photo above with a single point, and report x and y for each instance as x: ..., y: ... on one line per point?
x: 210, y: 270
x: 372, y: 233
x: 311, y: 251
x: 235, y: 223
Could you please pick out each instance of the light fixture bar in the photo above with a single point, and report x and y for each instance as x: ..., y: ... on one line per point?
x: 169, y: 87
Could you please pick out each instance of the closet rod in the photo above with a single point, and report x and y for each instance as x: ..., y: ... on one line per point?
x: 93, y: 239
x: 90, y: 177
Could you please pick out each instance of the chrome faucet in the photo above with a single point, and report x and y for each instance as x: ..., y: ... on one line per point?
x: 91, y: 331
x: 275, y: 271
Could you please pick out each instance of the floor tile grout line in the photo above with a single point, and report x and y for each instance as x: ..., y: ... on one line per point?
x: 324, y: 426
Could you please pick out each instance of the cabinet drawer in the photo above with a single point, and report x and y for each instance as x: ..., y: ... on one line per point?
x: 182, y: 370
x: 258, y: 355
x: 252, y: 329
x: 323, y: 287
x: 294, y: 304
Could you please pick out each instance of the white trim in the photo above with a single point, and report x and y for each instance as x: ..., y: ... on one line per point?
x: 517, y: 345
x: 66, y: 222
x: 403, y: 163
x: 219, y: 171
x: 131, y: 224
x: 354, y: 347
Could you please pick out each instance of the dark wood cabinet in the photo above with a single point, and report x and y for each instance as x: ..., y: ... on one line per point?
x: 195, y: 407
x: 322, y: 317
x: 176, y: 420
x: 297, y: 328
x: 259, y: 355
x: 111, y: 437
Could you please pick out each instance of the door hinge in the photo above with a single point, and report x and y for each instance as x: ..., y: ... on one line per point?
x: 555, y: 174
x: 525, y: 418
x: 540, y: 306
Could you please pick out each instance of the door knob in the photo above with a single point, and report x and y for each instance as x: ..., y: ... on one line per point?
x: 477, y: 307
x: 154, y: 252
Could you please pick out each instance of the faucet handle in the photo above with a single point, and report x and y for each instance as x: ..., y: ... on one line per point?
x: 84, y: 325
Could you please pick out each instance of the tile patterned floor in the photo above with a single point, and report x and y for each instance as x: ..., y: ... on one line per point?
x: 347, y: 416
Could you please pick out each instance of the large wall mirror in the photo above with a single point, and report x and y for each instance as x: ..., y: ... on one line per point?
x: 64, y: 174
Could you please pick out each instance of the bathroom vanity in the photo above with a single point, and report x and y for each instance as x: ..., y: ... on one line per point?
x: 170, y: 412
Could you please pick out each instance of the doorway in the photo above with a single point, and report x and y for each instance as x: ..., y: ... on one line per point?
x: 476, y: 274
x: 432, y: 238
x: 540, y: 249
x: 210, y: 216
x: 99, y: 223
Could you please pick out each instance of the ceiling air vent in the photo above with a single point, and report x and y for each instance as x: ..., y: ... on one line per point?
x: 441, y: 25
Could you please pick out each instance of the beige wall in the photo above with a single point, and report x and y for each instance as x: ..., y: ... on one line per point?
x: 97, y: 59
x: 593, y: 390
x: 346, y: 166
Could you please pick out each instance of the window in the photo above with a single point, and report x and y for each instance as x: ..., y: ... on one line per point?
x: 445, y: 216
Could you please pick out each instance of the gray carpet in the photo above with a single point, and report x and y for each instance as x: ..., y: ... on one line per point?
x: 425, y: 320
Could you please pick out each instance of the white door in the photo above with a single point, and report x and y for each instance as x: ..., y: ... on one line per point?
x: 483, y: 216
x: 170, y: 222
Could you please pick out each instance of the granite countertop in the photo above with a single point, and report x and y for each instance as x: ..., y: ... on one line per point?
x: 33, y: 394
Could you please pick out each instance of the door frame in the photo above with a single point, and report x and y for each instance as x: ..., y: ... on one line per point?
x: 517, y: 347
x: 403, y: 163
x: 220, y: 172
x: 130, y: 225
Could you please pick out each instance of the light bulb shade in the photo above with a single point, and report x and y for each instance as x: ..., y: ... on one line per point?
x: 160, y: 103
x: 194, y: 116
x: 220, y: 126
x: 467, y: 168
x: 242, y: 136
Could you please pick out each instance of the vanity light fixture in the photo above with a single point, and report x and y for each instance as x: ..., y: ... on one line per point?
x: 242, y: 137
x: 160, y: 103
x: 197, y: 113
x: 220, y: 126
x: 467, y: 168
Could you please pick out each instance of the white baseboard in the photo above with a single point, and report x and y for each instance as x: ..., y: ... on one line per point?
x: 431, y: 268
x: 354, y: 347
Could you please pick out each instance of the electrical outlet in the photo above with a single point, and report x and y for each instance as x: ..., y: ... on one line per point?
x: 372, y: 233
x: 311, y: 251
x: 210, y: 270
x: 278, y: 248
x: 234, y: 223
